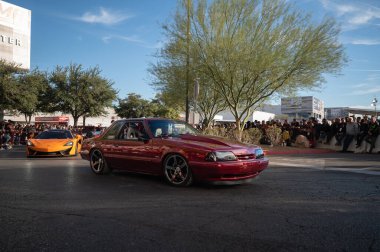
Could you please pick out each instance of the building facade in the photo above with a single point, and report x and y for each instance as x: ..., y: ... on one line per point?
x: 15, y: 28
x: 341, y: 112
x: 302, y: 107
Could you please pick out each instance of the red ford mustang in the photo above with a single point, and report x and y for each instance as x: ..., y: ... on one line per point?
x: 173, y: 149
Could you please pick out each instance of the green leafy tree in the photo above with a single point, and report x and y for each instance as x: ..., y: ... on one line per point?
x: 31, y: 88
x: 81, y: 92
x: 209, y: 103
x: 101, y: 94
x: 251, y: 50
x: 171, y: 69
x: 8, y: 85
x: 160, y: 109
x: 133, y: 106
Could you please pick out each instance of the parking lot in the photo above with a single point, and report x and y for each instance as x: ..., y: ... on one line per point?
x: 319, y: 202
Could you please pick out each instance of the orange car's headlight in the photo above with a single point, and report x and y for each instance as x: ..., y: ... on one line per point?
x: 29, y: 143
x: 70, y: 143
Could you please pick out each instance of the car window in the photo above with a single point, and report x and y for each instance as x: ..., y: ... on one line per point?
x: 54, y: 135
x: 160, y: 128
x: 133, y: 131
x: 113, y: 132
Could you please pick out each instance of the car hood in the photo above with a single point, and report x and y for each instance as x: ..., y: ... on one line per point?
x: 209, y: 142
x: 39, y: 142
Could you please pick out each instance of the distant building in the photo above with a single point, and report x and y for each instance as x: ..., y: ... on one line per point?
x: 15, y: 26
x: 226, y: 116
x: 59, y: 118
x: 302, y: 107
x: 340, y: 112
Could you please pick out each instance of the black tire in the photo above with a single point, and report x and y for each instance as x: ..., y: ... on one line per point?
x: 177, y: 171
x: 98, y: 163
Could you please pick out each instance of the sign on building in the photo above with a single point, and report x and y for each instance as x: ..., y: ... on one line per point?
x: 302, y: 105
x: 332, y: 113
x: 15, y: 26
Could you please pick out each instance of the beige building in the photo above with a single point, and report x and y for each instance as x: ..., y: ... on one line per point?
x: 15, y: 27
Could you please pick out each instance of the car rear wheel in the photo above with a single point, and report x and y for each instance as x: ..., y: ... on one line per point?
x: 98, y: 163
x: 176, y: 171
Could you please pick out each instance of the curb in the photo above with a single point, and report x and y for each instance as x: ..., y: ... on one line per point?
x: 292, y: 151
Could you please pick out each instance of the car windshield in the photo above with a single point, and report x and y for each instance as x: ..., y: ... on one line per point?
x: 54, y: 135
x: 163, y: 128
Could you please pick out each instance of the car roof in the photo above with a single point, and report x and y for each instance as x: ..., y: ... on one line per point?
x: 57, y: 130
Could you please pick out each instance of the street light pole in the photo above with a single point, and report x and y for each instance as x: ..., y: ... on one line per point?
x: 187, y: 107
x: 374, y: 103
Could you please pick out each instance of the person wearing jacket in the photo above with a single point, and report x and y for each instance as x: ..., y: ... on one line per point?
x: 351, y: 132
x: 373, y: 132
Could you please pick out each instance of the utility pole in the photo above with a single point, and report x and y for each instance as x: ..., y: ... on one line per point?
x: 374, y: 103
x: 187, y: 59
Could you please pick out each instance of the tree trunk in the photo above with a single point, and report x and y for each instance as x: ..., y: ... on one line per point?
x: 75, y: 120
x: 84, y: 121
x: 28, y: 118
x: 1, y: 114
x: 239, y: 129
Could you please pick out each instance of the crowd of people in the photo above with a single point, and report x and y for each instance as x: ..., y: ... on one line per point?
x: 344, y: 130
x: 12, y: 133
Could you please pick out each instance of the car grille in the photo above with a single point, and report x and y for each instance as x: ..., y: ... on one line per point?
x: 56, y: 153
x: 246, y: 156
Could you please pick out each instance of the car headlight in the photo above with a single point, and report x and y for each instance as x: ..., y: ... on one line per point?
x: 221, y: 156
x: 259, y: 153
x: 29, y: 143
x: 69, y: 143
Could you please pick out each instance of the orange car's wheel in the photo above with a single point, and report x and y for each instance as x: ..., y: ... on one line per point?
x: 98, y: 163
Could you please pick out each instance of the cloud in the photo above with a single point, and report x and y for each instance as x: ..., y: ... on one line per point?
x: 104, y: 16
x: 345, y: 9
x: 373, y: 77
x: 360, y: 41
x: 365, y: 42
x: 365, y: 70
x: 132, y: 39
x: 369, y: 85
x: 361, y: 91
x: 353, y: 15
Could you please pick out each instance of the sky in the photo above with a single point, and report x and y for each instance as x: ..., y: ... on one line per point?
x: 122, y: 36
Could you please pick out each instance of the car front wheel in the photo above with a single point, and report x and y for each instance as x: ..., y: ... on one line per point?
x: 98, y: 163
x: 177, y: 171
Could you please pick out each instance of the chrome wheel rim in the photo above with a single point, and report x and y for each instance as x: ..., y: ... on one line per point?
x: 176, y: 169
x: 97, y: 161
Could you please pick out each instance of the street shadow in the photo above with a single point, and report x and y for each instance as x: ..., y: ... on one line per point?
x: 19, y: 152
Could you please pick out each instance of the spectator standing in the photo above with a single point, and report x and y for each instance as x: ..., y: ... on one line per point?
x: 351, y: 132
x: 295, y: 129
x: 363, y: 131
x: 338, y: 130
x: 373, y: 132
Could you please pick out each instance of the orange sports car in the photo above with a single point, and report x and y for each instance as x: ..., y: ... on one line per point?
x: 54, y: 143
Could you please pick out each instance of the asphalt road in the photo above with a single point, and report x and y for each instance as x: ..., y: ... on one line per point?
x: 324, y: 202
